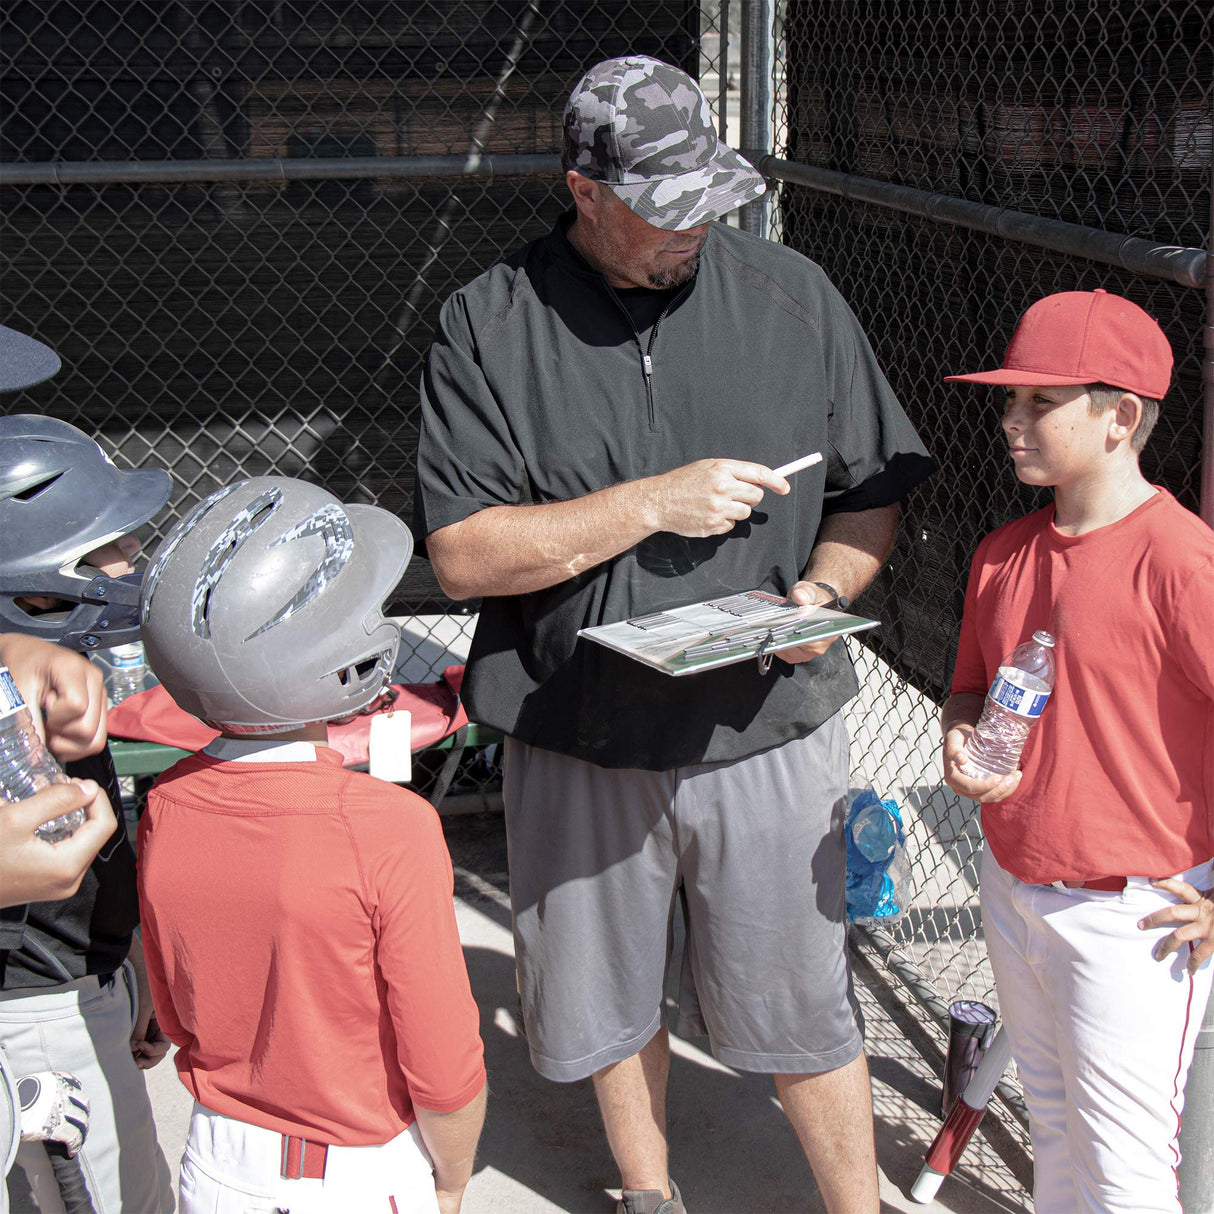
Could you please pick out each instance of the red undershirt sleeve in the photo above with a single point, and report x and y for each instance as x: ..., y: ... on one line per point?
x: 1193, y: 628
x: 419, y: 954
x: 162, y: 999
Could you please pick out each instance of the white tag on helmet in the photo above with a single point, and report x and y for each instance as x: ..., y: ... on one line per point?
x: 389, y: 753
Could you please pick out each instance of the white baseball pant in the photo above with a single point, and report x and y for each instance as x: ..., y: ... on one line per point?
x: 231, y: 1167
x: 1102, y: 1034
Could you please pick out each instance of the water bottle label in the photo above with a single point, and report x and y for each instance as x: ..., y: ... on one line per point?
x: 1020, y: 700
x: 126, y: 657
x: 10, y: 697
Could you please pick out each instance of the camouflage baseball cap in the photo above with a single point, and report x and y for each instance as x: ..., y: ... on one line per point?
x: 645, y: 129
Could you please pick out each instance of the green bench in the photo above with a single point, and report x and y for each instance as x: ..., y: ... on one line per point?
x: 151, y: 758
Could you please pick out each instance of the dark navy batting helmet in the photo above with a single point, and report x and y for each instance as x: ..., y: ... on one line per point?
x: 60, y: 498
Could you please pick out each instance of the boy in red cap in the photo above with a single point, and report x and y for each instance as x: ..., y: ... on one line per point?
x: 1097, y: 898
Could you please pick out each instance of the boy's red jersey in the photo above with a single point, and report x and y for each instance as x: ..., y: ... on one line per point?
x: 1119, y: 772
x: 301, y: 944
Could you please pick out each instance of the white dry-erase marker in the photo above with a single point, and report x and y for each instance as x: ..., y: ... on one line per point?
x: 806, y: 461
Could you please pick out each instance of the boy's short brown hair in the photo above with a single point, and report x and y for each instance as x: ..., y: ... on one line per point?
x: 1102, y: 397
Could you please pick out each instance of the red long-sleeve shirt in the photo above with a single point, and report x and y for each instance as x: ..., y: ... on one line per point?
x: 302, y: 948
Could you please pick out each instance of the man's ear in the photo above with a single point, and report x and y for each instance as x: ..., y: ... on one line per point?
x: 585, y: 194
x: 1127, y: 413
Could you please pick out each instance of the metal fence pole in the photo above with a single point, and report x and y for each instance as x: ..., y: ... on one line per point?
x: 1197, y: 1129
x: 723, y: 72
x: 756, y: 101
x: 1207, y: 380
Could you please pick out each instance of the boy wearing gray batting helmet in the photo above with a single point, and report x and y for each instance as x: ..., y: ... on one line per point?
x: 71, y: 970
x: 298, y: 917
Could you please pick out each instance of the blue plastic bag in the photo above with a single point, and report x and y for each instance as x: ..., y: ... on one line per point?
x: 876, y: 860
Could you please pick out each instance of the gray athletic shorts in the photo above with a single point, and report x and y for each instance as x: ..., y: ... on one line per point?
x: 752, y: 854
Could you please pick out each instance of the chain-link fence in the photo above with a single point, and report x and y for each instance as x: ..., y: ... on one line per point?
x: 1094, y: 114
x: 236, y: 220
x: 239, y: 218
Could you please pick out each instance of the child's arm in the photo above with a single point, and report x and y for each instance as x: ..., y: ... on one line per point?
x: 162, y: 999
x: 438, y: 1044
x: 64, y: 691
x: 1192, y: 621
x: 957, y: 721
x: 964, y: 706
x: 451, y: 1139
x: 32, y: 871
x: 1196, y: 916
x: 148, y: 1044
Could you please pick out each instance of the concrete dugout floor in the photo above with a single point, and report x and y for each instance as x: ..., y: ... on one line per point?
x: 732, y: 1151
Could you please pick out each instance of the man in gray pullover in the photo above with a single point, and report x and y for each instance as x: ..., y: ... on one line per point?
x: 602, y: 414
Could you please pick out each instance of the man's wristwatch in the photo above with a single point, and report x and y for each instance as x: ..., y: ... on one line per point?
x: 837, y: 600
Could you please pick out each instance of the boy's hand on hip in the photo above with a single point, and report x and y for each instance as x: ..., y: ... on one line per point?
x: 986, y: 790
x: 1195, y: 914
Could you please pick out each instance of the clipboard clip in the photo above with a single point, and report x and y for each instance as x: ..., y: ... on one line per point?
x: 762, y: 655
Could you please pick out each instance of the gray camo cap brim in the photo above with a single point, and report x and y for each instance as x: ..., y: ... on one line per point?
x: 690, y: 199
x: 645, y: 129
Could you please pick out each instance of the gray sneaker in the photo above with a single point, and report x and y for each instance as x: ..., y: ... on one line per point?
x: 651, y: 1201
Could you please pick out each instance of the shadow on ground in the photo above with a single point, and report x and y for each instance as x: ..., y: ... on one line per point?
x: 731, y: 1149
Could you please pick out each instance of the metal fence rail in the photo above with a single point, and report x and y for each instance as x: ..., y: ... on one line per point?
x: 236, y: 220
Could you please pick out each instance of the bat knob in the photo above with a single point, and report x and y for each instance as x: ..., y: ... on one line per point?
x: 927, y: 1185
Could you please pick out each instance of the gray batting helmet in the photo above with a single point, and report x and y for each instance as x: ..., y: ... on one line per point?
x: 60, y: 498
x: 263, y: 608
x: 645, y: 129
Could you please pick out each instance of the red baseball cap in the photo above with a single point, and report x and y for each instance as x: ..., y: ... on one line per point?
x: 1084, y: 337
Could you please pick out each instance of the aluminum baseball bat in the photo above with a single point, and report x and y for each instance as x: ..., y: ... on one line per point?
x: 955, y: 1133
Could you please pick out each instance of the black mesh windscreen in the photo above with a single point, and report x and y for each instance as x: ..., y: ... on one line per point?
x: 223, y: 329
x: 1096, y: 114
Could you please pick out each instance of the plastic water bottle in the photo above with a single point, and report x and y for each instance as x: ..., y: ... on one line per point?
x: 876, y: 859
x: 1013, y: 706
x: 874, y: 831
x: 26, y: 766
x: 127, y: 673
